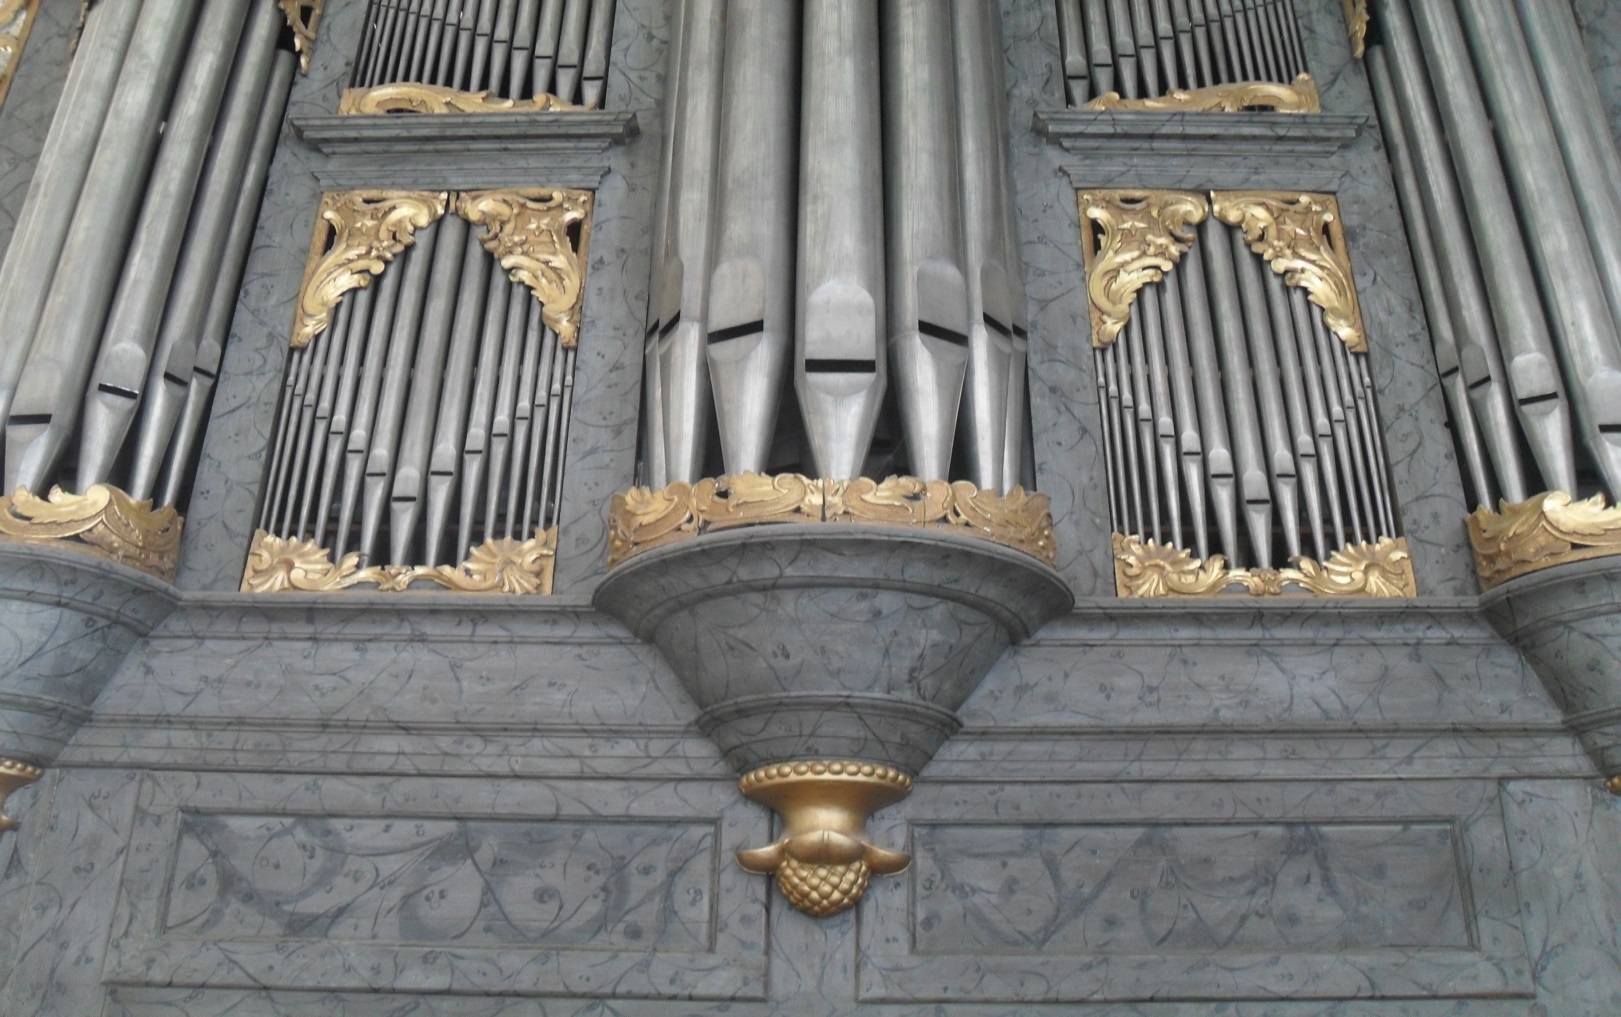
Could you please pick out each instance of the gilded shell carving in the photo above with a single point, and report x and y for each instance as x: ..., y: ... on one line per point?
x: 304, y: 18
x: 1300, y: 96
x: 281, y: 564
x: 1146, y: 568
x: 1550, y: 529
x: 528, y: 231
x: 412, y: 97
x: 1356, y: 23
x: 103, y: 521
x: 1130, y: 239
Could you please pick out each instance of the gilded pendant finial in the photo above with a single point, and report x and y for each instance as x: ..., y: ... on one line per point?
x: 1356, y: 22
x: 528, y: 232
x: 1143, y: 236
x: 412, y: 97
x: 824, y: 861
x: 279, y: 565
x: 1541, y: 532
x: 1302, y: 237
x: 1145, y: 568
x: 1300, y: 96
x: 14, y: 775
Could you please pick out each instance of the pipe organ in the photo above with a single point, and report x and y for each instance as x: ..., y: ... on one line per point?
x: 118, y: 288
x: 836, y: 285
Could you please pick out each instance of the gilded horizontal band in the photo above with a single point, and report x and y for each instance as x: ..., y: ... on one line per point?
x: 1548, y: 530
x: 281, y: 565
x: 1146, y: 568
x: 103, y: 521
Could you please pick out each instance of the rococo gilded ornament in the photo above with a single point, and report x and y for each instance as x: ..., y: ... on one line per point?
x: 1356, y: 21
x: 1145, y: 568
x: 824, y: 861
x: 1143, y: 236
x: 278, y: 565
x: 641, y: 519
x: 304, y: 18
x: 103, y: 521
x: 411, y: 97
x: 1300, y: 96
x: 1550, y: 529
x: 528, y: 231
x: 13, y: 775
x: 16, y: 18
x: 1302, y: 238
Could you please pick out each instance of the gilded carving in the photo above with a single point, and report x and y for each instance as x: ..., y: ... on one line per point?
x: 282, y: 564
x: 102, y: 521
x: 1356, y: 22
x: 1146, y: 568
x: 528, y: 231
x: 641, y: 519
x: 13, y: 775
x: 1302, y: 238
x: 304, y: 18
x: 1130, y: 239
x: 1300, y: 96
x: 824, y: 860
x: 357, y: 233
x: 411, y: 97
x: 16, y: 18
x: 1550, y: 529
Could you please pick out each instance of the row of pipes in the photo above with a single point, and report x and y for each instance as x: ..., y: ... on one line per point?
x: 1142, y: 49
x: 435, y: 407
x: 117, y: 292
x: 1510, y: 184
x: 1228, y: 396
x: 836, y: 195
x: 510, y: 48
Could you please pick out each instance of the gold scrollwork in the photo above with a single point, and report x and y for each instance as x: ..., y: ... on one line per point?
x: 1300, y: 96
x: 1144, y: 235
x: 1550, y: 529
x: 1356, y: 22
x: 14, y: 775
x: 641, y: 519
x: 411, y: 97
x: 357, y: 233
x: 528, y: 232
x: 1302, y: 238
x: 824, y: 860
x: 278, y: 564
x: 304, y: 18
x: 16, y: 18
x: 102, y: 521
x: 1146, y: 568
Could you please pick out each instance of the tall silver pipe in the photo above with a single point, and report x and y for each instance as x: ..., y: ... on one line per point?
x: 1123, y: 39
x: 928, y: 301
x: 1206, y: 61
x: 751, y: 291
x: 1189, y: 448
x: 44, y: 408
x: 523, y: 415
x: 337, y: 341
x: 292, y: 395
x: 709, y: 26
x: 655, y: 469
x: 1522, y: 329
x: 1562, y: 258
x: 1206, y: 364
x: 1099, y: 47
x: 343, y: 403
x: 544, y: 423
x: 1321, y: 424
x: 1263, y: 367
x: 594, y: 82
x: 1072, y: 44
x: 1292, y: 384
x: 503, y: 420
x: 523, y: 46
x: 450, y: 424
x: 1359, y: 496
x: 1165, y: 41
x: 1018, y: 463
x: 546, y: 39
x: 483, y: 44
x: 501, y: 47
x: 1113, y: 454
x: 1142, y: 33
x: 481, y: 410
x: 1133, y: 427
x: 1223, y: 48
x: 1163, y: 419
x: 1186, y: 47
x: 840, y: 371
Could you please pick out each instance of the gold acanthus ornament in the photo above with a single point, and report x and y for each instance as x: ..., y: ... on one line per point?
x: 1550, y: 529
x: 1145, y: 568
x: 824, y: 860
x: 102, y: 521
x: 529, y: 232
x: 357, y: 233
x: 1130, y: 239
x: 641, y: 519
x: 1356, y: 21
x: 304, y: 18
x: 411, y: 97
x: 1299, y: 96
x: 281, y: 565
x: 14, y: 775
x: 16, y: 18
x: 1302, y: 238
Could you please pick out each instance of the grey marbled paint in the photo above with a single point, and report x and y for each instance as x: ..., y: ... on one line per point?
x: 1601, y: 29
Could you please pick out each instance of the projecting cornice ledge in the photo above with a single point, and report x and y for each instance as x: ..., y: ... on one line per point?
x: 564, y: 148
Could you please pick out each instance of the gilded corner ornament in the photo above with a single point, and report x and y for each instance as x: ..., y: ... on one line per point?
x: 1356, y: 22
x: 824, y: 860
x: 304, y: 18
x: 412, y: 97
x: 14, y: 775
x: 1299, y: 96
x: 540, y: 236
x: 641, y: 519
x: 1129, y: 240
x: 16, y: 19
x: 1550, y: 529
x: 102, y: 521
x: 1148, y: 569
x: 1302, y: 238
x: 357, y: 233
x: 505, y: 566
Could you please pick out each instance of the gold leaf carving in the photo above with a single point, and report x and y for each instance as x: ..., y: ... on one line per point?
x: 14, y: 775
x: 1146, y: 568
x: 411, y: 97
x: 1302, y: 238
x: 1550, y: 529
x: 1300, y: 96
x: 16, y: 18
x: 304, y: 18
x: 278, y: 564
x: 528, y: 232
x: 103, y: 521
x: 824, y: 859
x: 357, y: 233
x: 1143, y: 235
x: 1356, y: 22
x: 641, y: 519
